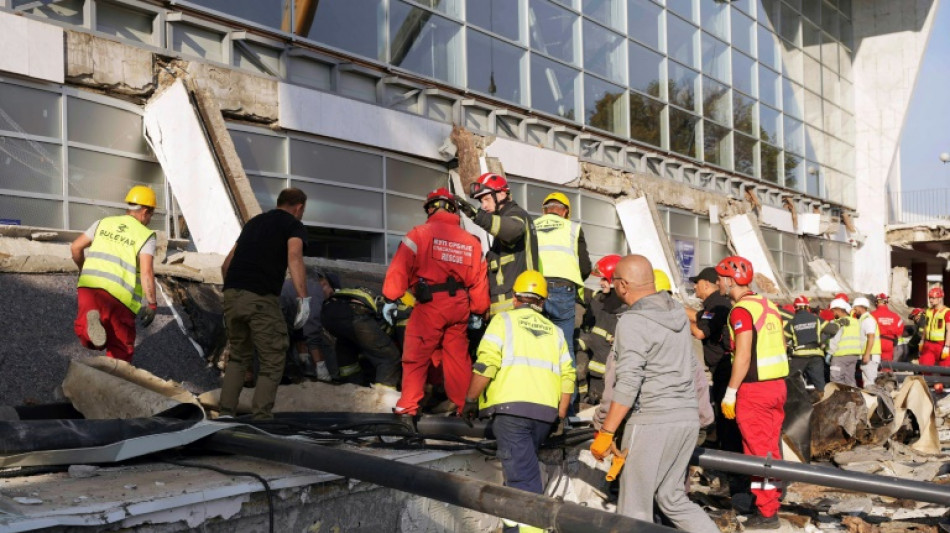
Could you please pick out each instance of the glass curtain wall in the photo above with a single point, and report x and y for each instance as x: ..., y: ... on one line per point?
x: 787, y: 254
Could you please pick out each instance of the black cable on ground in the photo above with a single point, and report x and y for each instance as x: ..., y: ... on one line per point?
x: 267, y: 490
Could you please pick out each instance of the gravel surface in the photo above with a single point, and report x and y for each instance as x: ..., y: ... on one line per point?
x: 37, y: 341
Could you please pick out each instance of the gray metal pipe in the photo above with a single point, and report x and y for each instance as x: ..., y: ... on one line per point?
x: 910, y: 367
x: 921, y: 491
x: 524, y: 507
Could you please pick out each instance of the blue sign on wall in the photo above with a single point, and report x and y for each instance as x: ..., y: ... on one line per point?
x: 10, y: 222
x: 685, y: 252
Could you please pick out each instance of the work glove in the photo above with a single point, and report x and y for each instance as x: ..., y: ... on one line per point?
x: 470, y: 411
x: 945, y: 353
x: 828, y: 359
x: 557, y: 427
x: 148, y: 315
x: 601, y: 445
x: 303, y: 312
x: 389, y: 313
x: 729, y: 403
x: 465, y: 208
x: 475, y: 322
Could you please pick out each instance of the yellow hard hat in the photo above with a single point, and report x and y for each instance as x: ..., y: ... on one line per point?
x: 661, y: 280
x: 141, y: 195
x: 531, y: 282
x: 560, y: 198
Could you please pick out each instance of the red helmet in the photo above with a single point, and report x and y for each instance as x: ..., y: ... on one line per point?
x: 842, y: 296
x: 737, y: 268
x: 916, y: 312
x: 605, y: 267
x: 440, y: 195
x: 881, y: 297
x: 936, y: 292
x: 487, y: 183
x: 801, y: 301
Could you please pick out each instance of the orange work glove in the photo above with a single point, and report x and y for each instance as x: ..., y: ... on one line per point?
x: 601, y: 445
x: 729, y: 403
x: 945, y: 353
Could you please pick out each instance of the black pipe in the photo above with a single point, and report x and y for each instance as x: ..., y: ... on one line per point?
x: 929, y: 379
x: 921, y: 491
x: 520, y: 506
x: 910, y: 367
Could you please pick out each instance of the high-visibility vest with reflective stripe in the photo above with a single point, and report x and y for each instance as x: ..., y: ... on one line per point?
x: 876, y: 347
x: 935, y: 329
x: 111, y: 261
x: 557, y: 246
x: 527, y: 359
x: 805, y: 328
x: 850, y: 342
x: 358, y: 294
x: 771, y: 361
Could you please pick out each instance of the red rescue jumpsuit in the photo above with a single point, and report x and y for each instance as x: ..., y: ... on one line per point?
x: 891, y: 327
x: 436, y: 333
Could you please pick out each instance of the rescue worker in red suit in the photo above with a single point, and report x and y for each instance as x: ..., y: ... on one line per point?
x: 442, y: 265
x: 891, y: 326
x: 935, y: 343
x: 756, y: 394
x: 826, y: 314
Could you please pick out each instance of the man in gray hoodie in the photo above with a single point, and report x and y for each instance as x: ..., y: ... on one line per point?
x: 654, y: 378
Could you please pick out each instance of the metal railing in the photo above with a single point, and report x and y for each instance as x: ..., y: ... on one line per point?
x: 913, y: 207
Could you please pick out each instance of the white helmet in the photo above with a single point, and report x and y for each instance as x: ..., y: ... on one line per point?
x: 839, y: 303
x: 862, y: 302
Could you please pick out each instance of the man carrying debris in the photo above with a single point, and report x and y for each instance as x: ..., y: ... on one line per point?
x: 254, y: 270
x: 514, y: 248
x: 935, y: 345
x: 870, y: 341
x: 116, y: 277
x: 756, y: 394
x: 523, y: 379
x: 804, y: 334
x: 655, y: 365
x: 846, y: 347
x: 443, y: 266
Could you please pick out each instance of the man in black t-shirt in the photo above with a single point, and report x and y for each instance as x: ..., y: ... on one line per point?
x: 254, y: 272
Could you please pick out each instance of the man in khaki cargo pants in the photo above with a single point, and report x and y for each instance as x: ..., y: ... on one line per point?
x: 254, y: 271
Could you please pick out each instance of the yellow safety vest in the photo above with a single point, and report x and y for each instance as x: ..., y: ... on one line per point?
x: 935, y: 329
x: 876, y: 347
x: 525, y: 356
x: 771, y: 361
x: 850, y: 342
x: 360, y: 295
x: 111, y: 260
x: 557, y: 247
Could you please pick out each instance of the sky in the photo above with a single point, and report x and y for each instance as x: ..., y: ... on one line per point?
x: 927, y: 128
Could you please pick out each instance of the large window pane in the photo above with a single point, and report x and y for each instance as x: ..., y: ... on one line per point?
x: 743, y: 114
x: 829, y: 19
x: 263, y: 153
x: 99, y: 176
x: 792, y: 99
x: 599, y: 211
x: 266, y: 190
x: 683, y: 84
x: 792, y: 65
x: 30, y: 212
x: 770, y: 161
x: 402, y: 213
x: 645, y: 66
x: 811, y: 39
x: 363, y: 29
x: 768, y: 47
x: 410, y: 178
x: 424, y: 43
x: 268, y: 13
x: 68, y: 11
x: 604, y: 105
x: 714, y: 18
x: 794, y: 172
x: 497, y: 16
x: 830, y: 86
x: 105, y: 126
x: 743, y: 32
x: 681, y: 41
x: 553, y: 87
x: 769, y: 87
x: 328, y: 205
x: 715, y: 57
x: 829, y: 54
x: 552, y: 30
x: 770, y: 124
x: 794, y: 135
x: 339, y: 165
x: 716, y: 147
x: 683, y: 8
x: 645, y: 118
x: 494, y: 67
x: 197, y: 41
x: 603, y: 241
x: 609, y: 12
x: 716, y: 102
x: 744, y: 154
x: 30, y: 166
x: 126, y: 23
x: 791, y: 26
x: 644, y: 19
x: 743, y: 73
x: 812, y: 10
x: 812, y: 74
x: 26, y: 110
x: 813, y: 109
x: 604, y: 52
x: 683, y: 132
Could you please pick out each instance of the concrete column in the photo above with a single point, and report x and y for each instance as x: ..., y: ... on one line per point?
x: 918, y: 284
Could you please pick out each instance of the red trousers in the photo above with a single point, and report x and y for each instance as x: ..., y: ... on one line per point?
x: 887, y: 350
x: 436, y: 335
x: 760, y: 411
x: 117, y: 319
x: 930, y: 352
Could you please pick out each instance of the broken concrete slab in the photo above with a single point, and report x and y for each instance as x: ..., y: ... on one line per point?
x: 238, y: 93
x: 316, y: 396
x: 104, y: 64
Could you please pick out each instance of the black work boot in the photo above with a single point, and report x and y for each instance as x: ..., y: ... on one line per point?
x: 757, y: 521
